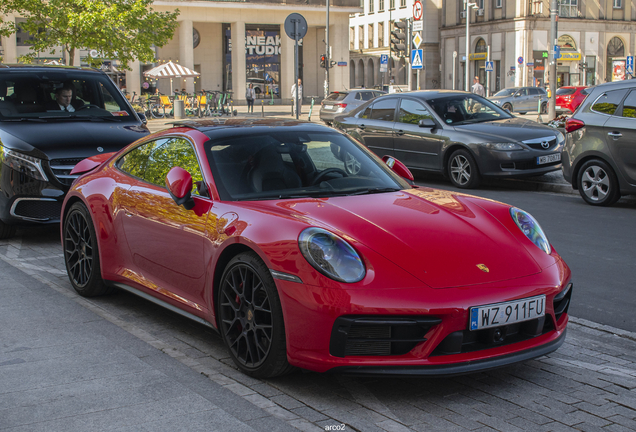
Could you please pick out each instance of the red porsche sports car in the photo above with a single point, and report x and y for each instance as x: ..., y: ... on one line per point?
x: 304, y: 249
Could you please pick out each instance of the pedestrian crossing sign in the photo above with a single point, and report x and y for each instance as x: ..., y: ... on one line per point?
x: 416, y: 59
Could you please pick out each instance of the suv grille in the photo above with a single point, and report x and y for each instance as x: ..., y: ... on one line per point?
x: 378, y: 335
x: 62, y: 169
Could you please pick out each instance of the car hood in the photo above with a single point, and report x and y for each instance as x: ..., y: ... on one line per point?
x: 514, y: 129
x: 438, y: 236
x: 69, y: 139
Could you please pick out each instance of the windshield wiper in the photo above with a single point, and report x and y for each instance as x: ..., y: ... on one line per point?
x: 21, y: 119
x: 373, y: 190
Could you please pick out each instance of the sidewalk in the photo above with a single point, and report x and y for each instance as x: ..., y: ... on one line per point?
x: 551, y: 182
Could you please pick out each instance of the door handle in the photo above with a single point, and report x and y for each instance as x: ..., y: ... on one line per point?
x: 615, y: 135
x: 361, y: 126
x: 399, y: 132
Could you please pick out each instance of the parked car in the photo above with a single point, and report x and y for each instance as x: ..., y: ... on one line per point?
x: 344, y: 101
x: 568, y: 98
x: 599, y: 157
x: 361, y: 273
x: 458, y: 134
x: 521, y: 99
x: 40, y: 143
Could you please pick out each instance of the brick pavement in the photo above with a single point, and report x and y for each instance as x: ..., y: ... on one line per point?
x: 122, y: 363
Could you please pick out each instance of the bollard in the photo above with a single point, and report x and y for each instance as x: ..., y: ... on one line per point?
x: 179, y: 109
x: 262, y: 107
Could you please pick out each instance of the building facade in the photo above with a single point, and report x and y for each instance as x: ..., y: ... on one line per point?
x: 594, y: 36
x: 234, y: 43
x: 370, y: 37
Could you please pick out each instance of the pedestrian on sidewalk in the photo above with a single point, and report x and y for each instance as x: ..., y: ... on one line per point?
x: 250, y: 95
x: 477, y: 88
x: 297, y: 96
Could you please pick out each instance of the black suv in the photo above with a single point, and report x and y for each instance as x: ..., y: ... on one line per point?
x: 43, y: 136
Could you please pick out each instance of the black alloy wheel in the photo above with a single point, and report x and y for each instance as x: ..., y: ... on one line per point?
x: 251, y: 319
x: 462, y: 170
x: 598, y: 185
x: 6, y: 231
x: 81, y: 254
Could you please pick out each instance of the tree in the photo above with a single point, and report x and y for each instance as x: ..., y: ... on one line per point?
x: 116, y: 29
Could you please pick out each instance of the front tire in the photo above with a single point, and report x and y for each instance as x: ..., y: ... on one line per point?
x: 507, y: 107
x: 6, y: 231
x: 81, y: 254
x: 251, y: 318
x: 462, y: 170
x: 598, y: 185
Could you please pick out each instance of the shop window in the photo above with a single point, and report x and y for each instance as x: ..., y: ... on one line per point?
x: 590, y: 70
x: 568, y: 8
x: 615, y: 67
x: 262, y: 59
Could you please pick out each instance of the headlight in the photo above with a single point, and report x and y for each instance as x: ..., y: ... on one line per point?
x: 503, y: 146
x: 530, y: 227
x: 560, y: 137
x: 22, y: 163
x: 496, y: 102
x: 331, y: 255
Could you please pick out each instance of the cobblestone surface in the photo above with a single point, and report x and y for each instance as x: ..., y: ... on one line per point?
x: 589, y: 384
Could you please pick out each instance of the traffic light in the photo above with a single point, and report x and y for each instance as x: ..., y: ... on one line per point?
x: 323, y: 60
x: 398, y: 37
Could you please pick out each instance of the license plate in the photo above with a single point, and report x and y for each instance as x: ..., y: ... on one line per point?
x: 557, y: 107
x: 328, y: 107
x: 548, y: 158
x: 500, y: 314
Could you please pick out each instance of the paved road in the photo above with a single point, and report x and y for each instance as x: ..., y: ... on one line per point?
x: 121, y: 363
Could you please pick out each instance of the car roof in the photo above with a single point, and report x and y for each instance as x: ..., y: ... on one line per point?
x: 43, y: 68
x: 616, y: 85
x: 243, y: 125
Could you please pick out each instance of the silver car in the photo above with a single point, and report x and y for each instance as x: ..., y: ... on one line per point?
x: 521, y: 99
x: 344, y: 101
x: 599, y: 156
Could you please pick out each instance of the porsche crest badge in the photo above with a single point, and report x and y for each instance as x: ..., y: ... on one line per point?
x: 483, y: 268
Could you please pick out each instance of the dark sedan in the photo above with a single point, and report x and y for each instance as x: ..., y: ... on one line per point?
x: 459, y: 134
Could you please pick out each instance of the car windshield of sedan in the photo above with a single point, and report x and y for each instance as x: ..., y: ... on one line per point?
x: 465, y: 109
x: 505, y: 92
x: 59, y: 96
x: 292, y: 164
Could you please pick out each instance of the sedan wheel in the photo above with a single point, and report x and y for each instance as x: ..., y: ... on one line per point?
x: 81, y: 254
x: 507, y: 107
x: 597, y: 183
x: 462, y: 170
x: 251, y: 318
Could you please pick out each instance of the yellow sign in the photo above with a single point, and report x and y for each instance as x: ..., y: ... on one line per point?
x: 478, y: 56
x: 569, y: 56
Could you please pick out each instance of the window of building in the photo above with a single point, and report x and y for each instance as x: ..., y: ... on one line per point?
x: 498, y: 3
x: 371, y: 6
x: 22, y: 36
x: 352, y: 38
x: 618, y: 4
x: 615, y: 67
x: 361, y: 37
x: 370, y: 35
x: 590, y: 70
x: 568, y: 8
x: 391, y: 4
x: 537, y: 7
x: 402, y: 3
x: 262, y: 58
x: 380, y: 5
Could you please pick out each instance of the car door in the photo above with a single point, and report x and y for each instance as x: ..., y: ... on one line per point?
x: 415, y: 146
x: 620, y: 131
x: 166, y: 241
x: 534, y: 96
x: 375, y: 126
x: 521, y: 100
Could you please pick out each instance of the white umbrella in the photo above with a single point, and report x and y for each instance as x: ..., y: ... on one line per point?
x: 171, y: 70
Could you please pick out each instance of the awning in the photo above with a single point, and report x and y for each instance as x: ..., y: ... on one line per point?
x: 171, y: 70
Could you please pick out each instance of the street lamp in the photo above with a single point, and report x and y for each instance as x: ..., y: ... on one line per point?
x: 469, y: 6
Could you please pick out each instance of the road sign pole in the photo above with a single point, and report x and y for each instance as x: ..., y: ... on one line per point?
x: 488, y: 75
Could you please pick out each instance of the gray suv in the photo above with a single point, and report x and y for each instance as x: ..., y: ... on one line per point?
x: 341, y: 102
x: 599, y: 157
x: 521, y: 99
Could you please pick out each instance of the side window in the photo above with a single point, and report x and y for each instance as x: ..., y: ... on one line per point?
x: 609, y: 101
x: 367, y: 96
x: 359, y: 96
x: 533, y: 91
x: 412, y: 112
x: 384, y: 110
x: 523, y: 92
x: 109, y: 101
x: 135, y: 161
x: 629, y: 106
x: 367, y: 112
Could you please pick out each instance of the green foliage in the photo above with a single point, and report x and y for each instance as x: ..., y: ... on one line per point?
x: 117, y: 29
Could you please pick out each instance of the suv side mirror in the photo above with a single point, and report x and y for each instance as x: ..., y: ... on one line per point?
x: 142, y: 117
x: 179, y: 183
x: 427, y: 123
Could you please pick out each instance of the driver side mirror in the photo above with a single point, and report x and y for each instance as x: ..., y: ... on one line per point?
x: 142, y: 117
x: 179, y: 183
x: 427, y: 123
x: 399, y: 168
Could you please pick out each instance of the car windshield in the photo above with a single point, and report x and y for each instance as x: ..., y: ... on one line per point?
x: 466, y: 108
x: 292, y: 164
x: 505, y: 92
x: 59, y: 95
x: 338, y: 96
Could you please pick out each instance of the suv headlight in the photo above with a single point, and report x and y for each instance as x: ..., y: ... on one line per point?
x: 22, y: 163
x: 530, y: 227
x: 509, y: 146
x: 331, y: 255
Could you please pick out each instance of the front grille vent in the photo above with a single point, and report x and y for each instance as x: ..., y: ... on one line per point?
x: 45, y: 209
x: 562, y: 302
x: 378, y: 335
x: 61, y: 168
x: 538, y: 143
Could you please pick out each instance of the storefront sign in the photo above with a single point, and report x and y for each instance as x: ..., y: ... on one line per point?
x: 478, y: 56
x: 569, y: 56
x: 262, y: 45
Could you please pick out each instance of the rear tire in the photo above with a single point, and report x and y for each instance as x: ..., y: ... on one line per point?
x: 462, y: 170
x: 6, y: 231
x: 81, y: 253
x: 597, y: 183
x: 251, y: 318
x: 507, y: 106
